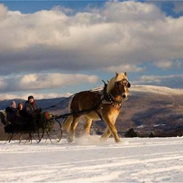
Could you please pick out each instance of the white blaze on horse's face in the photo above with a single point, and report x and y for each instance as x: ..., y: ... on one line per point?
x: 122, y: 84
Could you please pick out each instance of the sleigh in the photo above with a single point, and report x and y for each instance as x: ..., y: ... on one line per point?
x: 45, y: 126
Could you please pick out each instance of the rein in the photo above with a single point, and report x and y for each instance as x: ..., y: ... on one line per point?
x: 81, y: 112
x: 95, y: 108
x: 55, y: 105
x: 104, y: 96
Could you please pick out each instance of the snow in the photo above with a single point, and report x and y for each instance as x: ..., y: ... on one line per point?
x: 140, y: 126
x: 157, y: 125
x: 156, y: 90
x: 89, y: 160
x: 159, y: 90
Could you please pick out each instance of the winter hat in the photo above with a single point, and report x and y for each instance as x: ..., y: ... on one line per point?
x: 30, y: 97
x: 13, y: 104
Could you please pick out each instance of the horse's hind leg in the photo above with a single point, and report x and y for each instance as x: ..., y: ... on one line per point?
x: 67, y: 123
x: 87, y: 126
x: 74, y: 124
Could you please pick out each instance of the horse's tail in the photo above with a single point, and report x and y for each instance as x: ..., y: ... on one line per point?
x: 67, y: 123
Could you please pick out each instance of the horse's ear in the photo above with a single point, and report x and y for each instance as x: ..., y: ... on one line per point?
x: 116, y: 75
x: 125, y: 74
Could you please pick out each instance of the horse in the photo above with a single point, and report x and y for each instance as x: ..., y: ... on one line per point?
x: 105, y: 105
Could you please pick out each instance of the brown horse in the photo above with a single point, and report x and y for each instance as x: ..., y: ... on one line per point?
x: 105, y: 105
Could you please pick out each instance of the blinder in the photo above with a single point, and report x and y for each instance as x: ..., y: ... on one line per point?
x: 128, y: 85
x: 124, y: 83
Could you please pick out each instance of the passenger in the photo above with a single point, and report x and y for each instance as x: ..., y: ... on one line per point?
x: 20, y: 106
x: 31, y: 108
x: 22, y: 117
x: 11, y: 112
x: 20, y: 111
x: 13, y: 105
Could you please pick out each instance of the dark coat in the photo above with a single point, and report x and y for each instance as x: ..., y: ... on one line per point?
x: 21, y: 113
x: 22, y: 117
x: 11, y: 114
x: 30, y: 109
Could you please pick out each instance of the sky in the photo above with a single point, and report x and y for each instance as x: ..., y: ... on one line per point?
x: 55, y: 48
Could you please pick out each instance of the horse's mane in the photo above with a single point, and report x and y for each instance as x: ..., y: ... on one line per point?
x: 115, y: 79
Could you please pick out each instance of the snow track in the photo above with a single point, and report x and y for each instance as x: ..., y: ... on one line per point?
x: 87, y: 160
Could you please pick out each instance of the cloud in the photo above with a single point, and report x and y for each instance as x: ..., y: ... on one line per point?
x: 43, y: 81
x: 169, y: 64
x: 164, y: 64
x: 2, y: 83
x: 125, y: 68
x: 178, y: 63
x: 3, y: 12
x: 23, y: 96
x: 174, y: 81
x: 120, y: 33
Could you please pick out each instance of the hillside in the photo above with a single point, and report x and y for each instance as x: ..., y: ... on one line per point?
x: 148, y: 109
x: 152, y: 108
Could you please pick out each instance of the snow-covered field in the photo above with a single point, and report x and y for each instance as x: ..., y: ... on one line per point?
x: 87, y: 160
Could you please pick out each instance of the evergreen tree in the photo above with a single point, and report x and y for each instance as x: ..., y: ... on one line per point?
x: 131, y: 133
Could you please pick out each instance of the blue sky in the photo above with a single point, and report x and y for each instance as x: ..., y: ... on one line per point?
x: 31, y: 6
x: 54, y: 48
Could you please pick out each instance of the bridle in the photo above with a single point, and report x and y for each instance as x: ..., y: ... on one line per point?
x: 125, y: 83
x: 109, y: 96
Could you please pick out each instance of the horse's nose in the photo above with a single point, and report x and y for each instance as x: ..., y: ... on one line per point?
x: 124, y: 96
x: 129, y: 85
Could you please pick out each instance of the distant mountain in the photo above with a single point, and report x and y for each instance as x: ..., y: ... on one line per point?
x: 149, y: 109
x: 49, y: 104
x: 153, y: 109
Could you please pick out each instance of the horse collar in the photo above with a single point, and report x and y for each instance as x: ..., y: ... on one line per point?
x: 113, y: 100
x: 107, y: 98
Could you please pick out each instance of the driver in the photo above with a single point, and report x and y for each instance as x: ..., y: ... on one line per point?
x: 31, y: 108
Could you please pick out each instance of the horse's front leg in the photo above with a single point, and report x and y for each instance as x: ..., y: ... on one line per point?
x: 111, y: 126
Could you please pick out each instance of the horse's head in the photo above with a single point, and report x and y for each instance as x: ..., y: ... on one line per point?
x: 120, y: 85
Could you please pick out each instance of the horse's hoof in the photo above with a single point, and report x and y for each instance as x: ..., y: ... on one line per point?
x: 102, y: 139
x: 70, y: 139
x: 118, y: 140
x: 86, y: 135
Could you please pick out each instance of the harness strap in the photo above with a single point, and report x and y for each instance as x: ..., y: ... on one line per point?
x: 104, y: 100
x: 55, y: 105
x: 100, y: 116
